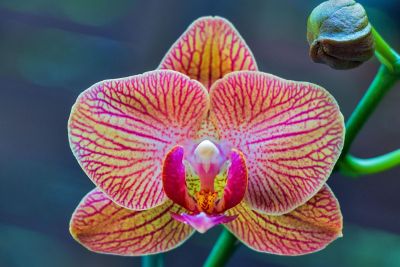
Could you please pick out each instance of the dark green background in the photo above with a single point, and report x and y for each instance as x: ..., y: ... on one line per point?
x: 51, y: 50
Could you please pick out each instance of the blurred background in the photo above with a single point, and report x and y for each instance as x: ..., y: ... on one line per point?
x: 50, y: 51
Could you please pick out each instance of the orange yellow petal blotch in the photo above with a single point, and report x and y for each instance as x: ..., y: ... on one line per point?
x: 120, y: 131
x: 291, y: 134
x: 102, y: 226
x: 309, y: 228
x: 210, y: 48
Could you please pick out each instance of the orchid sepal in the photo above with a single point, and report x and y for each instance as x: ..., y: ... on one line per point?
x: 102, y: 226
x: 307, y: 229
x: 210, y: 48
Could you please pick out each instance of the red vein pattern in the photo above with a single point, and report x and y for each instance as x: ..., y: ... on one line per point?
x: 120, y: 131
x: 309, y: 228
x: 210, y: 48
x: 290, y: 132
x: 103, y: 226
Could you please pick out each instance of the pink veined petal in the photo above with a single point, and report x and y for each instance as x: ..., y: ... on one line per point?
x: 208, y: 130
x: 202, y: 222
x: 174, y: 179
x: 120, y: 130
x: 210, y: 48
x: 309, y: 228
x: 291, y: 134
x: 105, y: 227
x: 236, y: 183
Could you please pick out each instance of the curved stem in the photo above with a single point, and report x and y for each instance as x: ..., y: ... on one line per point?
x: 222, y: 250
x: 155, y: 260
x: 385, y: 53
x: 354, y: 166
x: 384, y: 80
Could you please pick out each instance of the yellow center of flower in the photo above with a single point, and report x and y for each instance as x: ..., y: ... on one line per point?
x: 206, y: 160
x: 206, y: 200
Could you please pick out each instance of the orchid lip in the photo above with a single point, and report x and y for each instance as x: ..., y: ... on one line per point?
x: 210, y: 193
x: 202, y: 222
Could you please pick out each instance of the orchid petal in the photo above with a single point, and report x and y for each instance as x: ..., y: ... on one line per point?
x: 103, y: 226
x: 174, y: 179
x: 291, y: 134
x: 210, y: 48
x: 120, y: 131
x: 236, y: 183
x: 202, y: 222
x: 309, y: 228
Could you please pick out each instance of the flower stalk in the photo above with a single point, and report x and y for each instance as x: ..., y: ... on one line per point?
x: 382, y: 83
x: 222, y: 250
x: 386, y: 55
x: 384, y: 80
x: 353, y: 166
x: 155, y: 260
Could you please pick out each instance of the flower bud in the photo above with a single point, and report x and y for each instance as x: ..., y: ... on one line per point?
x: 339, y: 34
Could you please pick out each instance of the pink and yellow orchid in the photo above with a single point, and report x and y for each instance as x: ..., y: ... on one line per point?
x: 205, y: 140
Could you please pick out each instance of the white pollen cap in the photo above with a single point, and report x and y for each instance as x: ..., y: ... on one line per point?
x: 206, y: 150
x: 206, y: 153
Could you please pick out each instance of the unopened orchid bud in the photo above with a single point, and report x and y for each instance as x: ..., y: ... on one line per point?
x: 339, y: 34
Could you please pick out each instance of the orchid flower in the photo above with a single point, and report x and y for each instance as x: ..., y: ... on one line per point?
x: 206, y: 139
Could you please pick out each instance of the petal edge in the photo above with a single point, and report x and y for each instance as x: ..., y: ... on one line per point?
x: 210, y: 48
x: 102, y: 226
x: 307, y: 229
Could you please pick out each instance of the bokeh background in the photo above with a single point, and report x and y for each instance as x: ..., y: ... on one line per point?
x: 52, y: 50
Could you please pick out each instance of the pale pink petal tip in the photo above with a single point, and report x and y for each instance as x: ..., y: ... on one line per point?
x: 202, y: 222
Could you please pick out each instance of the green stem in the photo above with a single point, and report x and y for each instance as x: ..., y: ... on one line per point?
x: 155, y: 260
x: 385, y: 53
x: 222, y: 250
x: 384, y: 80
x: 353, y: 166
